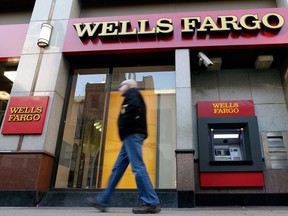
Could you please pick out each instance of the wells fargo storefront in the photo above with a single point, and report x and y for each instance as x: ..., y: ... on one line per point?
x: 167, y: 55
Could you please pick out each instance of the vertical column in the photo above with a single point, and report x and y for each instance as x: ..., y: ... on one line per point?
x: 282, y: 3
x: 47, y: 67
x: 284, y: 77
x: 184, y: 141
x: 41, y: 72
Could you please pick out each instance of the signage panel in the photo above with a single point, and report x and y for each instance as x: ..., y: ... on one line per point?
x: 232, y: 179
x: 225, y: 108
x: 229, y: 144
x: 25, y: 115
x: 11, y: 43
x: 211, y: 29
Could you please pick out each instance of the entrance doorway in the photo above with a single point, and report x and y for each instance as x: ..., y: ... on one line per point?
x: 91, y: 143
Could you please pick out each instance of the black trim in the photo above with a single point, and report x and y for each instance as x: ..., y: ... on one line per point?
x: 120, y: 198
x: 21, y: 198
x: 244, y: 162
x: 186, y: 199
x: 258, y: 199
x: 185, y: 151
x: 129, y: 198
x: 251, y: 146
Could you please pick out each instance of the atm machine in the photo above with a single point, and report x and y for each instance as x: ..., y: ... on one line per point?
x: 229, y: 145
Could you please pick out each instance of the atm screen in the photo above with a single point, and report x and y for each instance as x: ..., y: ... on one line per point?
x: 227, y: 152
x: 226, y: 144
x: 222, y: 152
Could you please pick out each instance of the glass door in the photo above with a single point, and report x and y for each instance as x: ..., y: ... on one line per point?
x: 91, y: 142
x: 83, y: 133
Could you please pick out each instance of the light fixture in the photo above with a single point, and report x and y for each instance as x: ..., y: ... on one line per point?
x: 263, y: 61
x: 221, y: 136
x: 4, y: 95
x: 45, y: 35
x: 11, y: 75
x: 217, y: 63
x: 13, y: 60
x: 98, y: 126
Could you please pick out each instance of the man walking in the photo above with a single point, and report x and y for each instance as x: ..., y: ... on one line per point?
x: 132, y: 128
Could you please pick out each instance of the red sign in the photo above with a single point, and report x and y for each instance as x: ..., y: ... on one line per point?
x: 12, y: 40
x: 25, y: 115
x: 232, y: 179
x: 225, y: 108
x: 210, y: 29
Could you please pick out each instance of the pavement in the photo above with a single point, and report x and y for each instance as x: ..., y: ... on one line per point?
x: 198, y: 211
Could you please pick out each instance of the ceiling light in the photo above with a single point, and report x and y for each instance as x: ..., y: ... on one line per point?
x: 13, y: 60
x: 217, y: 63
x: 221, y: 136
x: 4, y: 95
x: 11, y: 75
x: 263, y: 61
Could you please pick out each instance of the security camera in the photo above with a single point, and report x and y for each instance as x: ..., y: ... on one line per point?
x: 204, y: 59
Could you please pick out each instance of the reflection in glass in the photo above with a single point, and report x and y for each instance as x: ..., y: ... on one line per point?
x: 91, y: 143
x: 83, y: 131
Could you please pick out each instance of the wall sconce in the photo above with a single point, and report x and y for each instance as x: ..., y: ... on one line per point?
x: 45, y: 34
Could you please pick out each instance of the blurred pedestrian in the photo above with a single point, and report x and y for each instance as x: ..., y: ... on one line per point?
x: 132, y: 128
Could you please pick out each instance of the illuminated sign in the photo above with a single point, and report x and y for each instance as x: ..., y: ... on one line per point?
x: 225, y: 108
x: 25, y: 115
x: 222, y: 108
x: 122, y: 29
x: 257, y: 28
x: 249, y: 23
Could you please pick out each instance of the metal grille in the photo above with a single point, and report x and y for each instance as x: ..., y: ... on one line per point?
x: 275, y: 148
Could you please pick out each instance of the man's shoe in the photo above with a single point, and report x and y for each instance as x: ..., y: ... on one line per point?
x: 144, y: 209
x: 94, y: 203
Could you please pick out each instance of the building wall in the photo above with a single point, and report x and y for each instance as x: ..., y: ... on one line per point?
x: 15, y: 18
x: 44, y: 71
x: 175, y: 7
x: 265, y: 88
x: 40, y: 72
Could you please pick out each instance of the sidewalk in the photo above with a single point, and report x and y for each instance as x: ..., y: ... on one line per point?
x: 199, y: 211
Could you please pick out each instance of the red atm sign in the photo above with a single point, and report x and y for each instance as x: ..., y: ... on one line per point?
x: 225, y: 108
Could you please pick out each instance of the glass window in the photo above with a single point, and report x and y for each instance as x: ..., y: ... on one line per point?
x: 91, y: 142
x: 8, y: 73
